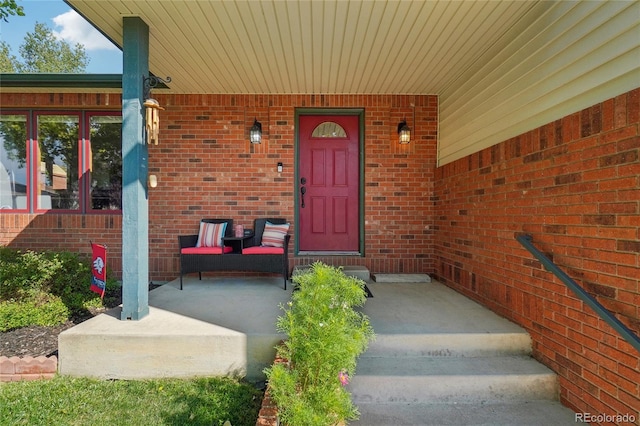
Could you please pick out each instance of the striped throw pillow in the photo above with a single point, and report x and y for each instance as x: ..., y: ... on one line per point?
x: 211, y: 234
x: 273, y: 235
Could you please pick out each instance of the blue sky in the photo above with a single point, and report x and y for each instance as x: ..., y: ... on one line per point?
x: 104, y: 56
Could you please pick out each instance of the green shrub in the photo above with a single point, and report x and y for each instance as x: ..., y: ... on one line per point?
x: 34, y: 284
x: 44, y: 310
x: 325, y: 337
x: 22, y: 273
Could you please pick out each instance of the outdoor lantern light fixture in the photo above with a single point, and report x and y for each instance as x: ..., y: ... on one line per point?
x: 255, y: 134
x: 404, y: 132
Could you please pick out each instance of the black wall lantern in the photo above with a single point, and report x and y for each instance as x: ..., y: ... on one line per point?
x: 255, y: 134
x: 404, y: 132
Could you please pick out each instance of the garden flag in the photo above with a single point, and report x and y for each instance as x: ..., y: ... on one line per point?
x: 99, y: 269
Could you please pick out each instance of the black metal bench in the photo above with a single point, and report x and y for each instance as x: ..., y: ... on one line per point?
x: 254, y: 259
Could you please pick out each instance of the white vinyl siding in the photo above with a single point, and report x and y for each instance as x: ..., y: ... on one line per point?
x: 573, y: 56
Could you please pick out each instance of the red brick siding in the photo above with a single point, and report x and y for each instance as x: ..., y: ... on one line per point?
x: 68, y: 232
x: 574, y: 185
x: 207, y: 168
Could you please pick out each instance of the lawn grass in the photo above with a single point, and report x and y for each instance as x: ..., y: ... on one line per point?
x: 82, y: 401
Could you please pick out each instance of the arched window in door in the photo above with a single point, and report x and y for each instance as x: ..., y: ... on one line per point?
x: 328, y: 129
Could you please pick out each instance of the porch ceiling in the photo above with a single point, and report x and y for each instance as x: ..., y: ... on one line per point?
x: 319, y: 46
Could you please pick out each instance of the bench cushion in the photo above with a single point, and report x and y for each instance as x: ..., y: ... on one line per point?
x: 205, y: 250
x: 263, y: 250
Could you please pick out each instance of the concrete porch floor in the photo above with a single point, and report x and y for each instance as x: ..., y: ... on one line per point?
x: 226, y: 326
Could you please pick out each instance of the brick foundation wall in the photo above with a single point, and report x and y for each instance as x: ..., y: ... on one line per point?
x: 69, y: 232
x: 574, y: 185
x: 206, y: 167
x: 14, y: 369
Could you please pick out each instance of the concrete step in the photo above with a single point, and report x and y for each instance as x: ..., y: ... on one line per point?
x: 529, y: 413
x: 163, y: 344
x: 450, y: 344
x: 442, y: 359
x: 401, y: 278
x: 382, y: 380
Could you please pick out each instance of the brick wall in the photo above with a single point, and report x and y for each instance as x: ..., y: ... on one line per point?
x: 71, y: 232
x: 574, y: 185
x: 206, y: 167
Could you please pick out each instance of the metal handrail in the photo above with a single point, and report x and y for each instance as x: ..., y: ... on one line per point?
x: 626, y: 333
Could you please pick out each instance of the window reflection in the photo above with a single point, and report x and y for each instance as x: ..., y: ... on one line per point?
x: 106, y: 162
x: 13, y: 156
x: 58, y: 185
x: 67, y: 161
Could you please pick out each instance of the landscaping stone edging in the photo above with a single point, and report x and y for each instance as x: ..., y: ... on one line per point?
x: 15, y: 368
x: 268, y: 415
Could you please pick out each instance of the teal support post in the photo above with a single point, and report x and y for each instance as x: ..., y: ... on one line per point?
x: 135, y: 205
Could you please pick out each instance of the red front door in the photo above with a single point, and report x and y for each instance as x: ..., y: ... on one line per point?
x: 328, y: 184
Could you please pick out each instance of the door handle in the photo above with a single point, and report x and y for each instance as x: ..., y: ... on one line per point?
x: 303, y: 190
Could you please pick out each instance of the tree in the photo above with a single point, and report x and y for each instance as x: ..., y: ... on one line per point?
x: 7, y: 60
x: 10, y: 7
x: 42, y: 52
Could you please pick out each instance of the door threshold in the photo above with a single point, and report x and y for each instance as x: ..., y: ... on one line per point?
x: 329, y: 253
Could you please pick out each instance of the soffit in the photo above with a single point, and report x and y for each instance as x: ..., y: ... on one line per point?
x: 319, y: 46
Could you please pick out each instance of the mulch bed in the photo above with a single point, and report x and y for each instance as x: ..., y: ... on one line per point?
x: 32, y: 341
x: 37, y: 341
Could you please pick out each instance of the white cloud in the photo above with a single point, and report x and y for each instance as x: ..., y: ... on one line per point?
x: 73, y: 28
